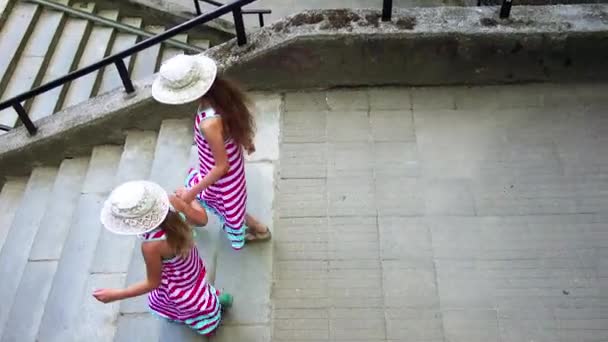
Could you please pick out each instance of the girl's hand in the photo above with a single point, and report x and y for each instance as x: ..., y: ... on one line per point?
x: 107, y: 295
x: 177, y: 203
x: 180, y: 192
x: 188, y: 197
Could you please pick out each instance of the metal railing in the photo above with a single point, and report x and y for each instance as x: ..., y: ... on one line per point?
x: 260, y: 13
x: 117, y: 60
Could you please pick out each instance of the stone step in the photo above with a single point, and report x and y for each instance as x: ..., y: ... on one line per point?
x: 66, y: 316
x: 32, y: 294
x: 113, y: 252
x: 169, y: 52
x: 110, y: 78
x: 16, y: 248
x: 146, y: 61
x: 64, y: 59
x: 170, y: 156
x: 98, y: 46
x: 13, y: 37
x: 201, y: 43
x: 10, y: 198
x: 33, y: 59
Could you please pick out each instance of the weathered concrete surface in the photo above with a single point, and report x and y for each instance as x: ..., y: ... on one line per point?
x: 443, y: 214
x: 450, y: 45
x: 424, y: 46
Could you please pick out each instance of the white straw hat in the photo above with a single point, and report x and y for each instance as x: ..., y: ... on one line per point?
x: 184, y: 79
x: 135, y: 207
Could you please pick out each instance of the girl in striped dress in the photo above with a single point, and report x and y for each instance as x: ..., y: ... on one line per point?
x: 223, y: 128
x: 176, y: 281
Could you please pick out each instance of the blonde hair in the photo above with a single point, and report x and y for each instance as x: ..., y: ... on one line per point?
x: 179, y: 234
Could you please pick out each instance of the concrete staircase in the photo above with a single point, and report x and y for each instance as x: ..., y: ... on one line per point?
x: 54, y: 251
x: 41, y: 44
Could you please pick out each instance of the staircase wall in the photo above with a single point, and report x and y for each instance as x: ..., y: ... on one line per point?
x: 321, y: 49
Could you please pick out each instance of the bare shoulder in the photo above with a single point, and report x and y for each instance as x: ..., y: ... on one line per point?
x: 212, y: 124
x: 153, y: 247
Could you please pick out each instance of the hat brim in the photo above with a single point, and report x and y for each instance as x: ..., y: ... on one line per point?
x: 139, y: 225
x: 190, y: 93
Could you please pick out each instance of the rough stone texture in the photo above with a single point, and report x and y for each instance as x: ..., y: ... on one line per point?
x: 486, y: 219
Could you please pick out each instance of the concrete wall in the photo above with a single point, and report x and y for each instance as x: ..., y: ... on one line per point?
x: 424, y: 46
x: 322, y: 49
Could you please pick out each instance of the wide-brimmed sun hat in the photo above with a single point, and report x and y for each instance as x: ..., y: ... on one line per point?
x: 184, y: 79
x: 134, y: 208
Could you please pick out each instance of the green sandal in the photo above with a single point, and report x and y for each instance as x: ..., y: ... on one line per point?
x: 226, y: 300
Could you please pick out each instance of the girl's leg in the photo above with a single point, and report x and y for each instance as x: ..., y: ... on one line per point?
x: 256, y: 230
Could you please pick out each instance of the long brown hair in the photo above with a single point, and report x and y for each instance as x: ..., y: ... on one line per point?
x: 179, y: 234
x: 233, y: 104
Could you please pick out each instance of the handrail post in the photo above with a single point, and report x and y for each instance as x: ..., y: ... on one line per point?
x: 261, y: 19
x: 387, y: 10
x: 239, y: 26
x: 25, y: 119
x: 197, y: 7
x: 124, y: 76
x: 505, y: 9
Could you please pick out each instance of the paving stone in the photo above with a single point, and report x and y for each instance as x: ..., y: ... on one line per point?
x: 401, y: 196
x: 301, y: 230
x: 353, y: 238
x: 389, y: 98
x: 449, y: 197
x: 393, y: 159
x: 405, y: 239
x: 257, y: 333
x: 403, y: 324
x: 347, y: 126
x: 28, y: 305
x: 519, y: 96
x: 268, y: 120
x: 409, y: 288
x: 351, y: 196
x: 302, y: 198
x: 470, y: 325
x: 305, y: 101
x: 348, y: 99
x: 351, y: 159
x: 304, y: 126
x: 20, y: 237
x: 357, y: 324
x: 304, y: 160
x: 392, y: 125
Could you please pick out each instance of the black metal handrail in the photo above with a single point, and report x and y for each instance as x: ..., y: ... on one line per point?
x: 260, y: 12
x: 117, y: 59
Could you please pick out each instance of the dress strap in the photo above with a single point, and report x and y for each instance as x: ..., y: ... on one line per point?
x: 208, y: 113
x: 158, y: 234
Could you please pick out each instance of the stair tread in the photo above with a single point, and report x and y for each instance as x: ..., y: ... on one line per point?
x: 31, y: 61
x: 14, y: 34
x: 146, y: 60
x: 63, y: 318
x: 49, y: 242
x: 201, y: 43
x: 110, y: 78
x: 10, y: 197
x: 28, y: 306
x: 96, y: 49
x: 170, y: 156
x: 113, y: 251
x: 62, y: 59
x: 27, y: 220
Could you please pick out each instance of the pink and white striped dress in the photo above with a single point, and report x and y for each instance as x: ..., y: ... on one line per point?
x: 184, y: 294
x: 227, y: 198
